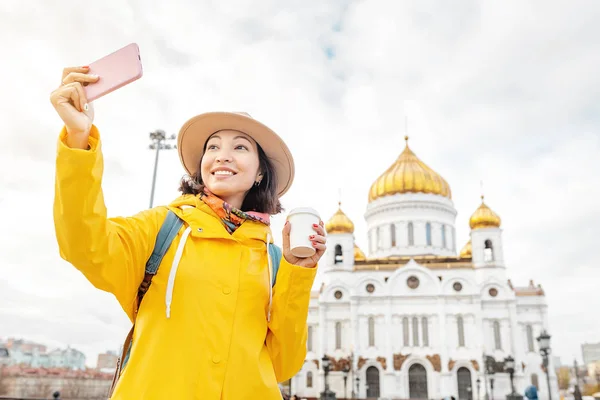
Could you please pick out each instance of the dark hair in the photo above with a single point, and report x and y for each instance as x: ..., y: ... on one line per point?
x: 262, y: 198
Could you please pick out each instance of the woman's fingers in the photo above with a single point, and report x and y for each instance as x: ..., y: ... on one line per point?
x: 318, y: 238
x: 79, y: 77
x: 68, y: 70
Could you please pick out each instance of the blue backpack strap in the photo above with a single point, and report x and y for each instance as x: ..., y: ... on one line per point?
x: 275, y: 253
x: 169, y: 229
x: 167, y: 233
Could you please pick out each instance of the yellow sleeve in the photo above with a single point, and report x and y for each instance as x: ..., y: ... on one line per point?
x: 111, y: 253
x: 286, y: 338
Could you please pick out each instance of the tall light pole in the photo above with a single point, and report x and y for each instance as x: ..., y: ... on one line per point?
x: 490, y: 369
x: 327, y: 394
x: 158, y: 142
x: 509, y: 366
x: 576, y: 390
x: 345, y: 371
x: 544, y: 344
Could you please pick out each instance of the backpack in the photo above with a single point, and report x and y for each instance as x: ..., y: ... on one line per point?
x: 169, y: 229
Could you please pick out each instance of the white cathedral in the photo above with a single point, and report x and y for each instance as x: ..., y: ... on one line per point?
x: 414, y: 319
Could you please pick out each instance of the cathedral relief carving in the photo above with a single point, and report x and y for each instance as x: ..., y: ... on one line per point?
x: 316, y: 363
x: 451, y: 364
x: 399, y: 360
x: 436, y: 361
x: 361, y: 362
x: 383, y: 362
x: 338, y: 365
x: 475, y: 365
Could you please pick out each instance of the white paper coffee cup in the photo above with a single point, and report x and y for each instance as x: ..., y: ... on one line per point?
x: 301, y: 221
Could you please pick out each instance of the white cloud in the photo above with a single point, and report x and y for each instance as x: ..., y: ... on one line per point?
x: 504, y: 92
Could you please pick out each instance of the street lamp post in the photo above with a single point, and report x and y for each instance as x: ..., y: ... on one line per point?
x: 327, y: 394
x: 509, y: 366
x: 490, y: 370
x: 544, y: 344
x: 576, y: 390
x: 346, y: 370
x: 158, y: 138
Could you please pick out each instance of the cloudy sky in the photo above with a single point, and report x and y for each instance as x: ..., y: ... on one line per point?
x: 504, y: 92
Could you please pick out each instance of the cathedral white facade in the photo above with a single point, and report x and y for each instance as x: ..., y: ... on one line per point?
x: 414, y: 319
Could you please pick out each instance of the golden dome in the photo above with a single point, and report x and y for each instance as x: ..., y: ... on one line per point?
x: 409, y: 175
x: 358, y: 254
x: 339, y: 223
x: 466, y: 251
x: 484, y: 217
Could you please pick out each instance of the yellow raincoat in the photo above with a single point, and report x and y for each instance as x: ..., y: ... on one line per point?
x: 202, y: 331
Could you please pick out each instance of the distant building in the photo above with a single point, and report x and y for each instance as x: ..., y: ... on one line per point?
x: 556, y: 361
x: 107, y: 360
x: 4, y: 356
x: 25, y: 346
x: 36, y: 355
x: 590, y: 352
x: 68, y: 358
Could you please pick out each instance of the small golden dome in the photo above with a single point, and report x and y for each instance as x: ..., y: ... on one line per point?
x: 466, y: 251
x: 358, y: 254
x: 339, y: 223
x: 409, y: 175
x: 484, y: 217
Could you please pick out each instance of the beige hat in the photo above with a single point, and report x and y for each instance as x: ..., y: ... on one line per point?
x: 196, y: 131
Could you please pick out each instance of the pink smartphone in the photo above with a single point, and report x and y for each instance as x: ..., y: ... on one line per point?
x: 115, y: 71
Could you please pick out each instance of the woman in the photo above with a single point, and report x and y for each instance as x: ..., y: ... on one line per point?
x: 210, y: 326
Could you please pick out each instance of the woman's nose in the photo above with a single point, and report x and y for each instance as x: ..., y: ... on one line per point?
x: 223, y: 157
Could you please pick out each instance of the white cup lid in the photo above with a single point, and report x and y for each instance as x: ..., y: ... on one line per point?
x: 304, y: 210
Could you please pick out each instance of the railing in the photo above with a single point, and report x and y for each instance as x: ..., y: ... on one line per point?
x: 55, y: 396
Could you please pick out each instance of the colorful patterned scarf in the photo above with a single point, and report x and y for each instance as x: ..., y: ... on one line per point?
x: 231, y: 217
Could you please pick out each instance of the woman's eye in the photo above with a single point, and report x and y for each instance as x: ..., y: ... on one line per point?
x: 211, y: 147
x: 241, y: 146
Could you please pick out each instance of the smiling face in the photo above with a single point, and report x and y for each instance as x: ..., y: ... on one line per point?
x: 230, y: 166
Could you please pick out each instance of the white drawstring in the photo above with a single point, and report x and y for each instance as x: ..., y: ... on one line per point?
x: 270, y: 278
x: 174, y: 266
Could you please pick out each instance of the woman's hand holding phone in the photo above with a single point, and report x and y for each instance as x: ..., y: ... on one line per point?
x: 70, y: 103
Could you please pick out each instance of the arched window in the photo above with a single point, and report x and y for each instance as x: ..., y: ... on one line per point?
x: 415, y: 326
x: 309, y: 379
x: 428, y: 233
x: 453, y: 233
x: 411, y: 234
x: 497, y: 337
x: 461, y: 331
x: 309, y: 339
x: 339, y: 256
x: 530, y: 339
x: 488, y: 251
x: 393, y: 235
x: 338, y: 335
x: 371, y: 331
x: 425, y: 329
x: 535, y: 381
x: 444, y: 244
x: 405, y: 332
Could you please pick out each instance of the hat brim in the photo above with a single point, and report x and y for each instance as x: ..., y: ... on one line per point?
x: 196, y: 131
